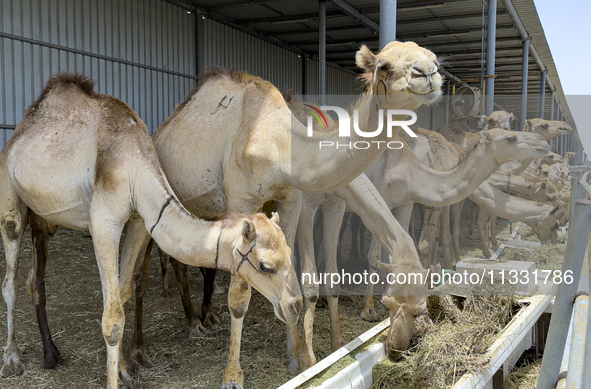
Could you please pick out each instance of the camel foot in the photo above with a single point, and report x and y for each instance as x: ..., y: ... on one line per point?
x: 486, y: 253
x: 209, y: 318
x: 52, y: 359
x: 232, y: 385
x: 127, y: 381
x: 293, y: 364
x: 337, y: 344
x: 370, y: 315
x: 12, y: 362
x: 219, y: 289
x: 139, y: 357
x: 321, y: 302
x: 307, y: 360
x: 197, y: 330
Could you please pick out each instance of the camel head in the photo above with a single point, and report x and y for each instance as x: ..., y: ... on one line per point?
x: 401, y: 69
x: 511, y: 145
x: 546, y: 227
x: 262, y: 257
x: 570, y: 155
x: 405, y: 302
x: 500, y: 119
x: 547, y: 128
x: 552, y: 158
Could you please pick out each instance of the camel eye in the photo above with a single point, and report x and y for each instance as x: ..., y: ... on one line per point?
x: 545, y: 126
x: 266, y: 269
x: 511, y: 139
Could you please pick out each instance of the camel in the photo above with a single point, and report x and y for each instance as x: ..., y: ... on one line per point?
x: 548, y: 129
x: 84, y: 161
x: 222, y: 160
x: 497, y: 119
x: 401, y: 179
x: 562, y: 168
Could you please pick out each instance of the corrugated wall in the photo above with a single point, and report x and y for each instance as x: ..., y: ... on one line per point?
x: 141, y: 51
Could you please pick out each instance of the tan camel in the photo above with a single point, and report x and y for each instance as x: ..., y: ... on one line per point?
x: 497, y: 119
x: 562, y: 168
x: 547, y: 128
x: 401, y: 178
x: 226, y: 148
x: 84, y: 161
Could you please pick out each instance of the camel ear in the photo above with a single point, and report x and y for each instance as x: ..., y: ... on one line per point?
x: 275, y: 217
x: 248, y: 230
x: 512, y: 117
x: 365, y: 59
x: 528, y: 126
x: 486, y: 136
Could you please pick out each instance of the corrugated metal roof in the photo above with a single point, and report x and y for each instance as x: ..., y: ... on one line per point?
x: 450, y: 28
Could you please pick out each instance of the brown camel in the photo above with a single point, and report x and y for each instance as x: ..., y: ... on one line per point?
x: 84, y: 161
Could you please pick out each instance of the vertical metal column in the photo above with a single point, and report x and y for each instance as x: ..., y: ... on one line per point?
x: 304, y: 74
x: 447, y: 97
x: 542, y: 106
x: 578, y: 235
x: 490, y: 57
x: 387, y: 22
x: 552, y: 104
x: 322, y: 53
x: 199, y: 42
x: 524, y: 75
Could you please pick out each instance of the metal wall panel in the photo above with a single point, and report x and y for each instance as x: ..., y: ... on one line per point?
x: 141, y: 51
x: 233, y: 49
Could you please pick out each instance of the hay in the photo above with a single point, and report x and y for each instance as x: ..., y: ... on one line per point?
x: 525, y: 377
x: 452, y: 342
x: 547, y: 257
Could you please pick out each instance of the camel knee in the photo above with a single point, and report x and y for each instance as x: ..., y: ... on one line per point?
x: 113, y: 322
x: 311, y: 292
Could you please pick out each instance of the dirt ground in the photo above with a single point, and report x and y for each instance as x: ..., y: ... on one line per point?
x: 74, y: 306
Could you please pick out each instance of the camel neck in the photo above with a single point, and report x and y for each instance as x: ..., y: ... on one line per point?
x: 188, y: 239
x: 326, y: 160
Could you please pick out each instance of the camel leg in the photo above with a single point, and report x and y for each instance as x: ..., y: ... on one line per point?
x: 369, y: 313
x: 473, y: 217
x: 403, y: 213
x: 426, y: 245
x: 181, y: 272
x: 483, y: 231
x: 164, y: 259
x: 12, y: 226
x: 289, y: 214
x: 310, y: 289
x: 493, y: 231
x: 445, y: 234
x: 138, y: 354
x: 356, y: 239
x: 41, y: 233
x: 238, y: 300
x: 333, y: 218
x: 106, y: 232
x: 456, y: 213
x: 208, y: 316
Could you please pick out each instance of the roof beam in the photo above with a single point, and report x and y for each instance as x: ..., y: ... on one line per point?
x: 351, y: 11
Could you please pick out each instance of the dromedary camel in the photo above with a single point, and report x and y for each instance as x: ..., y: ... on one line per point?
x: 401, y: 179
x: 84, y: 161
x: 548, y: 129
x: 227, y: 147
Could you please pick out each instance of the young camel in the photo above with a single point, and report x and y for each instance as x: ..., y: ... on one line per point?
x: 228, y: 160
x: 84, y: 161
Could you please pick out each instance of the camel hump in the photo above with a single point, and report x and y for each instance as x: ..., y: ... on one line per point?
x: 82, y: 82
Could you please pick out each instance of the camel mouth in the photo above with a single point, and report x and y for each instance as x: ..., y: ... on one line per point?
x: 429, y: 97
x: 287, y: 313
